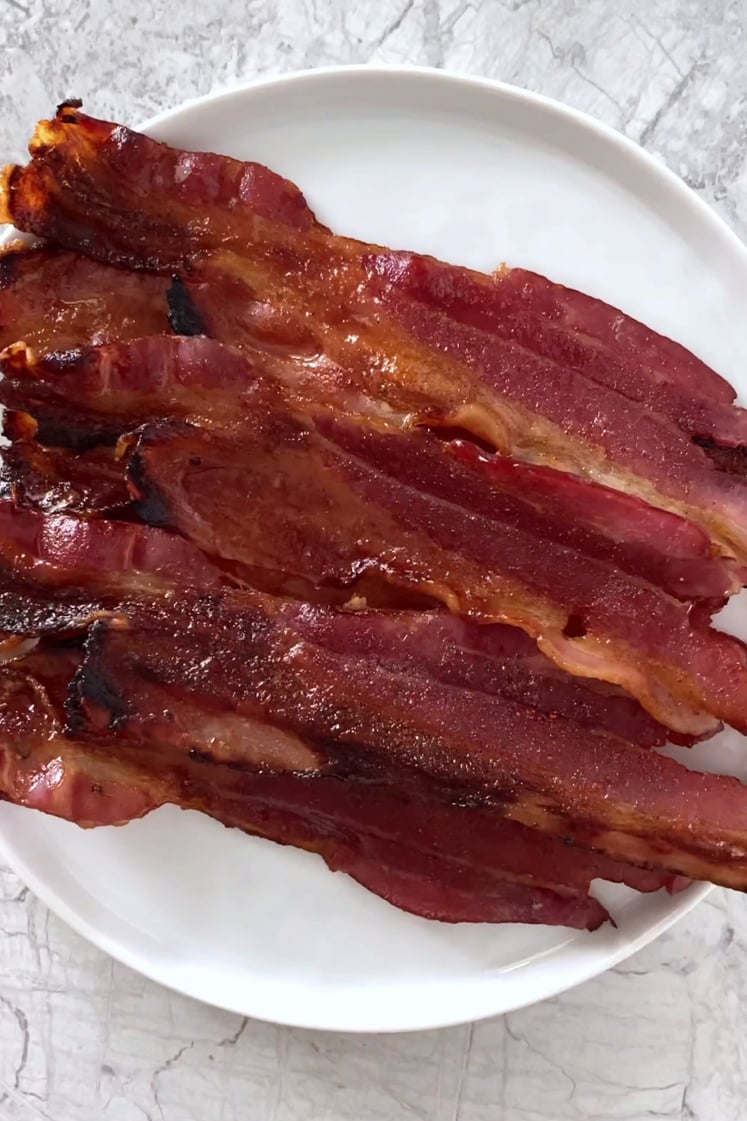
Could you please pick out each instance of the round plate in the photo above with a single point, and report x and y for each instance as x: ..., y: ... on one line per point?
x: 476, y: 173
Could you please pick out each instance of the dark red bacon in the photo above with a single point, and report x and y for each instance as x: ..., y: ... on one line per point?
x: 660, y: 547
x: 56, y: 549
x: 528, y: 404
x: 444, y: 875
x: 325, y: 434
x: 52, y: 300
x: 336, y: 501
x: 420, y: 362
x: 187, y: 200
x: 105, y: 390
x: 369, y: 721
x: 121, y: 385
x: 119, y: 560
x: 474, y: 837
x: 92, y: 788
x: 567, y: 327
x: 493, y: 659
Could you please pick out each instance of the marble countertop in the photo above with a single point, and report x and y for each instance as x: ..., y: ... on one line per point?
x: 664, y: 1035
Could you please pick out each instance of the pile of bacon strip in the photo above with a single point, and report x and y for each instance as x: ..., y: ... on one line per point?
x: 404, y: 564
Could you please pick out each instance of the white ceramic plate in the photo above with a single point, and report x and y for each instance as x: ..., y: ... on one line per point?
x: 476, y: 173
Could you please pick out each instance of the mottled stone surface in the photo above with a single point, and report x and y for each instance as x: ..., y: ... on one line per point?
x: 663, y: 1036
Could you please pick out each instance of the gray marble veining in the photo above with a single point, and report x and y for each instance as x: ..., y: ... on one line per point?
x: 664, y: 1035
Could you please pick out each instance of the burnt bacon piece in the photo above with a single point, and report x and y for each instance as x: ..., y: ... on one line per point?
x: 333, y: 501
x: 59, y: 480
x: 183, y: 316
x: 368, y: 721
x: 53, y: 300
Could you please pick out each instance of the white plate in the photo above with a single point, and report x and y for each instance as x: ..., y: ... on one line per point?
x: 476, y: 173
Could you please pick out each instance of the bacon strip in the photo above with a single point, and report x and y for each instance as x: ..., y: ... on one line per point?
x: 444, y: 869
x: 452, y: 356
x: 105, y: 390
x: 93, y: 789
x: 419, y: 361
x: 393, y: 726
x: 71, y: 192
x: 53, y: 299
x: 336, y: 500
x: 265, y: 237
x: 573, y: 329
x: 122, y: 385
x: 493, y: 659
x: 119, y: 560
x: 442, y: 875
x: 56, y: 550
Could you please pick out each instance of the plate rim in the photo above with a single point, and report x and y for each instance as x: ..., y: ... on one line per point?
x: 719, y: 230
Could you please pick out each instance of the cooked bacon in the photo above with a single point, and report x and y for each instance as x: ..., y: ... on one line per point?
x: 470, y: 856
x: 54, y: 423
x: 91, y: 788
x: 105, y: 390
x: 218, y: 691
x: 124, y: 385
x: 41, y: 768
x: 58, y: 480
x: 573, y: 329
x: 119, y: 560
x: 527, y: 404
x: 335, y: 500
x: 56, y: 549
x: 645, y: 541
x: 498, y: 661
x: 420, y: 362
x: 77, y: 191
x: 474, y: 836
x: 447, y: 875
x: 389, y: 725
x: 493, y: 659
x: 584, y: 425
x: 412, y: 878
x: 52, y: 300
x: 28, y: 612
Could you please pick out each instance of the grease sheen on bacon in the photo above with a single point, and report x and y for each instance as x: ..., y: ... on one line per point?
x: 354, y: 503
x: 334, y: 502
x: 386, y: 724
x: 121, y: 385
x: 53, y: 299
x: 273, y: 254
